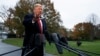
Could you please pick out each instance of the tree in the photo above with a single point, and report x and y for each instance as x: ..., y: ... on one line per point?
x: 14, y: 22
x: 93, y: 19
x: 63, y: 31
x: 4, y: 13
x: 23, y: 7
x: 83, y: 31
x: 98, y: 31
x: 52, y: 16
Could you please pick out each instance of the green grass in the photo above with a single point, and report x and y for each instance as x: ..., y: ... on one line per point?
x: 89, y: 46
x: 14, y: 41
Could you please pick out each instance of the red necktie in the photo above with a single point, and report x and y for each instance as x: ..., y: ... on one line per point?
x: 40, y: 25
x: 40, y: 28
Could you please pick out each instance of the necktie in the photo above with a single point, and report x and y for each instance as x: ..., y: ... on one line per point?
x: 40, y: 29
x: 40, y: 26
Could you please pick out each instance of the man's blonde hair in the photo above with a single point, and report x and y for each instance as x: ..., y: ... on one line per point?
x: 37, y: 5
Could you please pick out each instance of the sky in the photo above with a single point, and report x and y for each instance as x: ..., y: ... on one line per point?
x: 72, y: 11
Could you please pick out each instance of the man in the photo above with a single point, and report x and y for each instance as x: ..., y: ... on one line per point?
x: 35, y: 29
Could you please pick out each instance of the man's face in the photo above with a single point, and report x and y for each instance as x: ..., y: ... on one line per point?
x: 38, y: 10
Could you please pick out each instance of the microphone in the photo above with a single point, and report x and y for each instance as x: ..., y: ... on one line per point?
x: 56, y: 40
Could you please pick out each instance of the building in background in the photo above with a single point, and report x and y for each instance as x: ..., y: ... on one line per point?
x: 3, y: 31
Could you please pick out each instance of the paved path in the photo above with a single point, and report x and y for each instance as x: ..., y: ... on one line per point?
x: 6, y: 48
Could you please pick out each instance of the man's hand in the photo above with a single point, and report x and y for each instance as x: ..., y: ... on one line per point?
x: 36, y: 17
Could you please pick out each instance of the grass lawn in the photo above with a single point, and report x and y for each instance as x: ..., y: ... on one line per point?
x: 89, y: 46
